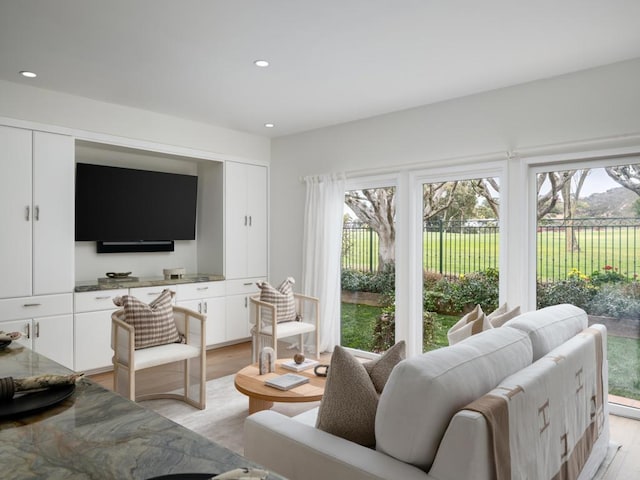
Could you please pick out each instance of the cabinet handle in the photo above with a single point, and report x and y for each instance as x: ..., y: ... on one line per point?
x: 104, y: 297
x: 205, y: 307
x: 37, y: 329
x: 28, y: 330
x: 27, y: 213
x: 249, y: 220
x: 199, y: 307
x: 202, y: 288
x: 245, y: 302
x: 247, y: 283
x: 36, y: 213
x: 245, y: 220
x: 31, y: 304
x: 154, y: 293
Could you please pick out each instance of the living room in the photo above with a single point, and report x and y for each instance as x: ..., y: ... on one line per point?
x: 580, y: 109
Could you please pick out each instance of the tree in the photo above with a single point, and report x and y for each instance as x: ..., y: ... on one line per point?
x: 626, y: 175
x: 557, y: 180
x: 377, y: 208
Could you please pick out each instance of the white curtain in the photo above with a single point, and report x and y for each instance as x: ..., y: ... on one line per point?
x: 324, y: 208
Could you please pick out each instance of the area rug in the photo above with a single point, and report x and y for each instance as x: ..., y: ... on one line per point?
x: 223, y: 419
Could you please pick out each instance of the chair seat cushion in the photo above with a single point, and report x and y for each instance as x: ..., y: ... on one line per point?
x: 161, y: 354
x: 287, y: 329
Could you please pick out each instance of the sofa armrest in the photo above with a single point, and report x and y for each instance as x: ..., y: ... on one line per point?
x: 296, y: 450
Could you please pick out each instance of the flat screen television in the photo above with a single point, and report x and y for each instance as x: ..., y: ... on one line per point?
x: 125, y: 209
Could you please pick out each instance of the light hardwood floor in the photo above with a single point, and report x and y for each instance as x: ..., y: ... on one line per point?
x: 228, y: 360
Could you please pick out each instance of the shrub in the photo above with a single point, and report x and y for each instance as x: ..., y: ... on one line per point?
x: 608, y: 274
x: 575, y: 290
x: 618, y: 301
x: 384, y: 332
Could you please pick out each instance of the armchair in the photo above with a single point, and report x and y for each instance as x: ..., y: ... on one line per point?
x: 267, y: 330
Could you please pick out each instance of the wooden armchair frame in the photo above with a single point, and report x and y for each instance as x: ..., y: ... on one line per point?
x: 266, y: 327
x: 190, y: 355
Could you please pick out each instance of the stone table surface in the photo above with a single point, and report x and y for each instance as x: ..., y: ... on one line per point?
x: 97, y: 434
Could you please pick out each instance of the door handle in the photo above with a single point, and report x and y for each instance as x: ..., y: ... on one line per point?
x: 249, y: 220
x: 28, y: 330
x: 36, y: 213
x: 27, y: 213
x: 37, y: 329
x: 205, y: 307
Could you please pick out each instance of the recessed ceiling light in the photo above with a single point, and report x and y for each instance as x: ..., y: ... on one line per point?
x: 269, y: 125
x: 28, y: 74
x: 261, y: 63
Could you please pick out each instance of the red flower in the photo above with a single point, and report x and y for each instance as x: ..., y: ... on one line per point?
x: 608, y: 267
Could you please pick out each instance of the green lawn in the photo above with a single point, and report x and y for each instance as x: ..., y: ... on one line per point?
x: 468, y: 252
x: 358, y: 322
x: 624, y: 366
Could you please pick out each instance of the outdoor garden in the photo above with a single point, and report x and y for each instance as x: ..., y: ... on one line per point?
x: 590, y: 262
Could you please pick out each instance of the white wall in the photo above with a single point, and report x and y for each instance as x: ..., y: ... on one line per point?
x: 59, y: 109
x: 593, y: 104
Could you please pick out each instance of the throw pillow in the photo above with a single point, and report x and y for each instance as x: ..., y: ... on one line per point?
x: 282, y: 297
x: 473, y: 322
x: 348, y: 406
x: 153, y: 323
x: 502, y: 314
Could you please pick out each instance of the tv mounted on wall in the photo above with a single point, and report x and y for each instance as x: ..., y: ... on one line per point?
x: 127, y: 210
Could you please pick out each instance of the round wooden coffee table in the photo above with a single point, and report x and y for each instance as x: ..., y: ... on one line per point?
x: 261, y: 397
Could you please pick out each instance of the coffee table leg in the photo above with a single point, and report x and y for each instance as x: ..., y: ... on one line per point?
x: 257, y: 405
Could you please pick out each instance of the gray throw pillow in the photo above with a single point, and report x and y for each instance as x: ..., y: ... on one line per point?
x: 350, y: 400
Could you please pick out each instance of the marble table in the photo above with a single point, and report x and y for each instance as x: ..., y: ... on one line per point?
x: 97, y: 434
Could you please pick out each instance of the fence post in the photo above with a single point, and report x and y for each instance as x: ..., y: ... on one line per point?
x: 371, y: 249
x: 441, y: 246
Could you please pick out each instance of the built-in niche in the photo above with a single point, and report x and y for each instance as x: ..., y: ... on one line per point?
x: 202, y: 255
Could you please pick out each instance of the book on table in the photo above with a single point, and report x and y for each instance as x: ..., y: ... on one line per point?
x: 298, y: 367
x: 286, y: 381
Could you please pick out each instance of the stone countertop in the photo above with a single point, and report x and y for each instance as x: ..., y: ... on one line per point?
x: 98, y: 434
x: 112, y: 284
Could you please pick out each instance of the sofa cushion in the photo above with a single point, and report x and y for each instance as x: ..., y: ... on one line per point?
x: 424, y: 392
x: 153, y: 323
x: 502, y: 315
x: 348, y: 406
x: 549, y: 327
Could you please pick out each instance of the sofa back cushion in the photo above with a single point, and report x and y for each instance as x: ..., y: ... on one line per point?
x: 550, y: 327
x: 424, y: 392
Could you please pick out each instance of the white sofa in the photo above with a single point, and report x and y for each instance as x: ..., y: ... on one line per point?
x: 546, y: 368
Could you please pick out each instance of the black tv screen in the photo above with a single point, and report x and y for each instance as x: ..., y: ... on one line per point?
x: 125, y: 205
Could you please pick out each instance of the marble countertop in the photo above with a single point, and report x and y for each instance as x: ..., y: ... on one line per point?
x: 111, y: 284
x: 97, y: 434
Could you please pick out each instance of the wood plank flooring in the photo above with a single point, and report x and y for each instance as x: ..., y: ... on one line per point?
x: 228, y: 360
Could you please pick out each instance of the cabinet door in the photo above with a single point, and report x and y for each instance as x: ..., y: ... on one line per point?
x: 236, y: 221
x: 53, y: 213
x: 237, y: 323
x: 22, y: 326
x: 92, y: 340
x: 53, y: 338
x: 257, y: 231
x: 215, y: 309
x: 15, y: 211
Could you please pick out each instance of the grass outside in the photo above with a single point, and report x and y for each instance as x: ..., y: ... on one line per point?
x: 358, y: 323
x: 468, y: 252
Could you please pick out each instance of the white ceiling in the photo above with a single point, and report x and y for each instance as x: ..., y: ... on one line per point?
x: 332, y: 61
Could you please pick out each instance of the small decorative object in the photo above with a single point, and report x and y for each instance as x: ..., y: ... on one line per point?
x: 298, y: 358
x: 118, y: 274
x: 10, y: 385
x: 174, y: 273
x: 321, y: 370
x: 267, y: 363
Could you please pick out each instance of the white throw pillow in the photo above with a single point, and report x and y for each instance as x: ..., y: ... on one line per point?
x: 473, y: 322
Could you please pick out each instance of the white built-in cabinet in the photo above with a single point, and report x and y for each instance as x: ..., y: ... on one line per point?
x: 92, y: 339
x: 238, y: 310
x: 245, y: 221
x: 36, y: 206
x: 37, y: 241
x: 46, y: 324
x: 207, y: 298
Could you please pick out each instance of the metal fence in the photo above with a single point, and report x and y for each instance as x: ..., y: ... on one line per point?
x: 458, y: 247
